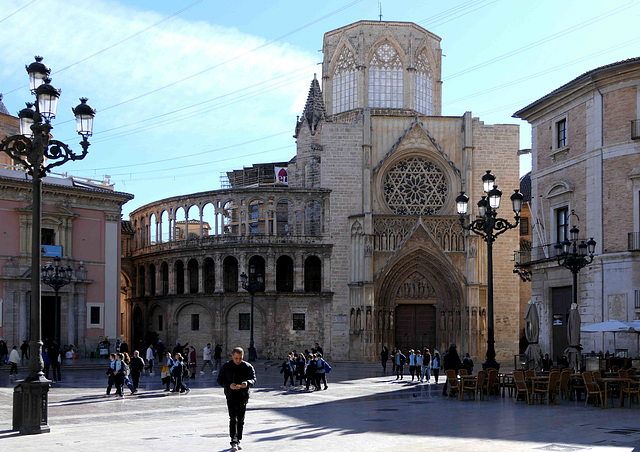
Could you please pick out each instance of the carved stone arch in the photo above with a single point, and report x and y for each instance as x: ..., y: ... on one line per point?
x: 356, y: 228
x: 343, y: 43
x: 559, y: 188
x: 425, y: 46
x: 182, y: 306
x: 387, y: 38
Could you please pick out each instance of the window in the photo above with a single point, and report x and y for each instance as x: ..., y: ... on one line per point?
x: 95, y: 315
x: 48, y: 236
x: 385, y: 78
x: 345, y: 86
x: 562, y: 224
x: 195, y: 322
x: 561, y: 133
x: 424, y: 85
x: 524, y: 226
x: 244, y: 321
x: 298, y: 322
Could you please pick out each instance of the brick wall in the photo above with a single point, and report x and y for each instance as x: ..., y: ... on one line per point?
x: 619, y: 110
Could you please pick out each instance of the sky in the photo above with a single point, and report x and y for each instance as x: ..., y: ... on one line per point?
x: 186, y: 90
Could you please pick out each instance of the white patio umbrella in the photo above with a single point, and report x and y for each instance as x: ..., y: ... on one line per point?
x: 532, y: 333
x: 574, y: 352
x: 612, y: 326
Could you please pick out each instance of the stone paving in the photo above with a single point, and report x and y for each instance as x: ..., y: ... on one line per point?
x: 361, y: 411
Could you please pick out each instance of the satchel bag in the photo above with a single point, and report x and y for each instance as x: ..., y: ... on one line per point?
x: 165, y: 372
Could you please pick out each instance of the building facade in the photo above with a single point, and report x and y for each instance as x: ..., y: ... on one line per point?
x: 81, y: 223
x: 586, y: 173
x: 362, y: 246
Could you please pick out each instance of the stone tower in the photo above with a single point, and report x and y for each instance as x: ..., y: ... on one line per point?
x: 403, y: 272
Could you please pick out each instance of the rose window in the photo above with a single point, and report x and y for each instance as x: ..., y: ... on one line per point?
x: 415, y: 186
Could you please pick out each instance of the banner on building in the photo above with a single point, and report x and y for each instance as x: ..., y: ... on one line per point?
x: 50, y: 251
x: 282, y: 178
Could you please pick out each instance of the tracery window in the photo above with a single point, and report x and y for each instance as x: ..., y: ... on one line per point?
x: 415, y: 186
x: 424, y: 84
x: 385, y: 78
x: 345, y: 87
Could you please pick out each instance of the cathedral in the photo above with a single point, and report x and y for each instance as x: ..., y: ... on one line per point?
x: 356, y: 237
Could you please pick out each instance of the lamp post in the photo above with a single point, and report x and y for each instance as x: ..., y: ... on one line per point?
x: 38, y: 154
x: 489, y: 227
x: 575, y: 256
x: 252, y: 284
x: 56, y: 277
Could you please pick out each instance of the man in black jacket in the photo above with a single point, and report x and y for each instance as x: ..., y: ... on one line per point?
x: 236, y: 377
x: 451, y: 361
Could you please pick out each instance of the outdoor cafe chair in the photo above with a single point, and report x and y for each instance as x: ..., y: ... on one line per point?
x: 592, y: 390
x: 563, y: 384
x: 462, y: 372
x: 521, y: 385
x: 452, y: 379
x: 632, y: 390
x: 491, y: 383
x: 473, y: 386
x: 547, y: 387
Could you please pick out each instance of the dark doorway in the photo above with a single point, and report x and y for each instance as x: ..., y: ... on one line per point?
x: 561, y: 302
x: 138, y: 329
x: 50, y: 315
x: 415, y: 326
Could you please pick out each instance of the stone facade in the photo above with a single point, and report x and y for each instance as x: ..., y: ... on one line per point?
x: 369, y: 206
x: 593, y: 176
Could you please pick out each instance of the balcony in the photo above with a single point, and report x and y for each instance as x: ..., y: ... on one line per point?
x: 536, y: 254
x: 634, y: 241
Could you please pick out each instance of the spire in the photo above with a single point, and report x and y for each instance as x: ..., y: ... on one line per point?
x: 3, y: 109
x: 314, y: 111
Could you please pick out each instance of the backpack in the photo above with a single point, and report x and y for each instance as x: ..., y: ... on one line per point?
x: 327, y: 367
x: 185, y: 371
x: 125, y: 369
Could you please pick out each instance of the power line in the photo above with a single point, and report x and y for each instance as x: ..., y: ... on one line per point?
x: 539, y: 42
x: 441, y: 21
x: 118, y: 42
x: 16, y: 12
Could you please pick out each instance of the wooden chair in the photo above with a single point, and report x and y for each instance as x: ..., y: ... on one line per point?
x: 563, y: 384
x: 491, y: 383
x: 632, y: 372
x: 592, y: 390
x: 521, y: 385
x: 633, y: 390
x: 452, y: 379
x: 462, y: 372
x: 509, y: 384
x: 474, y: 386
x: 547, y: 387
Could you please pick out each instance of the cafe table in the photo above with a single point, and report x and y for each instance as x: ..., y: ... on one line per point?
x: 614, y: 380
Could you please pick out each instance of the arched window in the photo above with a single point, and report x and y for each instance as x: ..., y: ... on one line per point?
x: 209, y: 276
x: 284, y: 274
x: 313, y: 218
x: 141, y: 282
x: 152, y: 280
x: 385, y: 78
x: 192, y: 267
x: 179, y: 272
x: 424, y: 84
x: 164, y: 276
x: 345, y: 86
x: 258, y: 263
x: 230, y: 274
x: 312, y: 274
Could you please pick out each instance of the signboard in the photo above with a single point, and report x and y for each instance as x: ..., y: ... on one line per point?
x: 50, y: 251
x: 281, y: 175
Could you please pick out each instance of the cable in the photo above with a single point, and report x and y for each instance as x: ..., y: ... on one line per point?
x: 436, y: 21
x: 16, y: 12
x: 591, y: 21
x: 118, y: 42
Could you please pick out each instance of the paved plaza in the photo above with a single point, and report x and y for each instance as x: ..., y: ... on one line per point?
x: 361, y: 411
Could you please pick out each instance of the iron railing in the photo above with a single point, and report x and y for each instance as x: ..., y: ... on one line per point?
x: 535, y: 254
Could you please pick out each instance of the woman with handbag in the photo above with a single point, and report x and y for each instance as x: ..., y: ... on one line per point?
x: 166, y: 373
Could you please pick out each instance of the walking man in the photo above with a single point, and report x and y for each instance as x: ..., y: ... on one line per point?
x: 217, y: 356
x: 206, y: 359
x: 136, y: 368
x: 14, y: 360
x: 150, y: 357
x: 236, y: 377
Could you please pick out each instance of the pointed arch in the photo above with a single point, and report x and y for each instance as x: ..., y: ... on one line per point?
x: 386, y: 76
x: 424, y: 82
x: 344, y: 76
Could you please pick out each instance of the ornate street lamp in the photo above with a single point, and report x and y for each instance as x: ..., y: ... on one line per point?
x: 252, y: 284
x: 38, y: 154
x: 489, y: 227
x: 575, y: 256
x: 56, y: 277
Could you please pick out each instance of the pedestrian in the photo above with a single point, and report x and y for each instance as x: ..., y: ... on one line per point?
x: 435, y: 366
x: 236, y: 376
x: 312, y: 366
x: 193, y: 365
x: 136, y: 368
x: 287, y: 369
x: 150, y: 358
x: 300, y: 364
x: 467, y: 363
x: 393, y: 360
x: 46, y: 361
x: 319, y: 349
x: 54, y: 356
x: 321, y: 372
x: 450, y: 361
x: 24, y: 348
x: 4, y: 353
x: 384, y: 357
x: 159, y: 349
x: 412, y: 363
x: 14, y: 359
x: 217, y: 356
x: 111, y: 372
x: 418, y: 366
x: 118, y: 375
x: 400, y: 360
x: 426, y: 365
x: 206, y: 359
x: 165, y: 375
x: 178, y: 372
x: 124, y: 347
x: 127, y: 372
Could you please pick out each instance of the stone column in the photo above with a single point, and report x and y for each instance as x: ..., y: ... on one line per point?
x: 217, y: 258
x: 270, y: 273
x: 201, y: 270
x: 298, y: 273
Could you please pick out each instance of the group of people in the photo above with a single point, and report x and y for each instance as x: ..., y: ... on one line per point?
x: 309, y: 369
x: 124, y: 370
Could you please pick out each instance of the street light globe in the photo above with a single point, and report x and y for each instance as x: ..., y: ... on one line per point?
x: 494, y: 197
x: 84, y: 117
x: 488, y: 181
x: 516, y: 201
x: 37, y: 73
x: 26, y: 116
x: 482, y: 206
x: 47, y: 96
x: 462, y: 203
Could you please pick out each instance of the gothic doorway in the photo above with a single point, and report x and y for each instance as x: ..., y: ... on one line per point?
x: 415, y: 326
